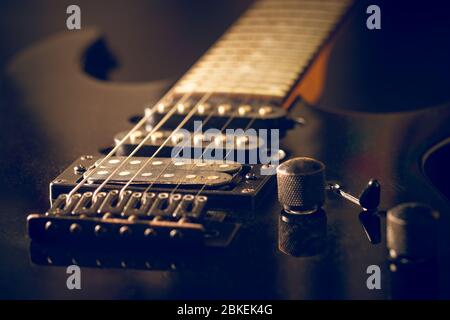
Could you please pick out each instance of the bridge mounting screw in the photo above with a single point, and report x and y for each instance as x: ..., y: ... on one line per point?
x: 79, y: 169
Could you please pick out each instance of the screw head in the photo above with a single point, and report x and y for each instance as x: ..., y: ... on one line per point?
x: 175, y: 234
x: 125, y: 231
x: 247, y: 190
x: 150, y: 233
x: 79, y: 169
x: 99, y: 230
x: 75, y: 228
x: 251, y: 176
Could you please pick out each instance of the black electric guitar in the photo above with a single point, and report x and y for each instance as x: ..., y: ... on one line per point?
x: 207, y: 224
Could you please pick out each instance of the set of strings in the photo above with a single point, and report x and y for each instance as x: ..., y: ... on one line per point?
x: 137, y: 127
x: 203, y: 100
x: 142, y: 122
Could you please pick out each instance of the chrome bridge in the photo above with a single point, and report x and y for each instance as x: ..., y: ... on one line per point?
x: 131, y: 217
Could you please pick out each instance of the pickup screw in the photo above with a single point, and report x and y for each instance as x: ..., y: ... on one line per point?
x: 79, y: 169
x: 251, y: 176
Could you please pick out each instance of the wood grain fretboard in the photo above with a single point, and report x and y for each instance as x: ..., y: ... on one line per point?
x: 266, y: 50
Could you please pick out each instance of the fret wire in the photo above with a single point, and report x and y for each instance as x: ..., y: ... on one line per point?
x: 270, y: 46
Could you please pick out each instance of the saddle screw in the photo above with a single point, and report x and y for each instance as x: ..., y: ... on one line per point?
x: 149, y: 232
x: 99, y: 230
x: 125, y: 231
x: 75, y: 228
x: 176, y: 234
x: 49, y: 226
x: 79, y: 169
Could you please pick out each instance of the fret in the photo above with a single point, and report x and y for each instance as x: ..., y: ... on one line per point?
x: 266, y: 50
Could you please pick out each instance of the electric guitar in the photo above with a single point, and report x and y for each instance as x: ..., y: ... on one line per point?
x: 173, y: 210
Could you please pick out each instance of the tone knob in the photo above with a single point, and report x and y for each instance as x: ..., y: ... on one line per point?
x: 301, y: 184
x: 412, y: 231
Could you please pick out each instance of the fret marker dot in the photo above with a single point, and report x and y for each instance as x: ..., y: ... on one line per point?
x: 135, y: 161
x: 146, y: 174
x: 102, y: 173
x: 124, y: 173
x: 168, y: 175
x: 157, y: 163
x: 212, y: 177
x: 190, y: 176
x: 114, y: 161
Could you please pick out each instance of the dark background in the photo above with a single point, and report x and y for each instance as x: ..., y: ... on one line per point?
x: 402, y: 67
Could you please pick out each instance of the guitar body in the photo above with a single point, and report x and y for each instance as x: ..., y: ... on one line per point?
x: 58, y: 109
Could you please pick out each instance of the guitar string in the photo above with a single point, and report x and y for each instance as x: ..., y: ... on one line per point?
x: 154, y: 129
x: 119, y: 144
x: 168, y: 164
x: 203, y: 100
x: 251, y: 121
x: 180, y: 125
x: 167, y: 96
x: 136, y: 127
x: 226, y: 97
x: 246, y: 128
x: 227, y: 123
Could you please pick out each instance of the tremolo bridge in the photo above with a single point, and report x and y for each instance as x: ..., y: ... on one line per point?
x: 170, y: 202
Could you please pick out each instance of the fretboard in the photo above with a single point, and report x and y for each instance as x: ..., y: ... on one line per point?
x: 266, y: 50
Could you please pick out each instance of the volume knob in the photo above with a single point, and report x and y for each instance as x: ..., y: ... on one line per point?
x: 412, y: 231
x: 301, y: 184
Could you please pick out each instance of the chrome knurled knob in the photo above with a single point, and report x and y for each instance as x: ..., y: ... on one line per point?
x: 412, y: 231
x: 301, y: 184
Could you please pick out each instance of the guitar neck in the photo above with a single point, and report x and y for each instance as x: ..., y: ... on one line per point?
x: 266, y: 51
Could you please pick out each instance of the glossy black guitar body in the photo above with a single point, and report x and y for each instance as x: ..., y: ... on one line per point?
x: 62, y: 112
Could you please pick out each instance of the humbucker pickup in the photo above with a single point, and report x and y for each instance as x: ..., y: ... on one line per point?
x: 230, y: 145
x: 226, y: 184
x: 218, y: 113
x: 165, y: 171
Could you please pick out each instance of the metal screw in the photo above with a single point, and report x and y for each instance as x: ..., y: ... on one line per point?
x: 175, y: 234
x: 248, y: 190
x: 79, y: 169
x: 300, y: 120
x: 87, y: 157
x: 251, y: 176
